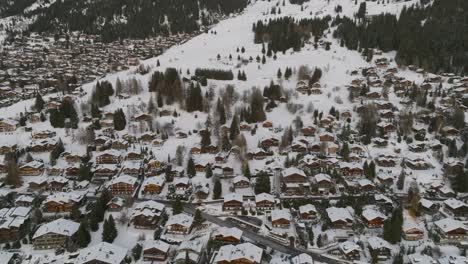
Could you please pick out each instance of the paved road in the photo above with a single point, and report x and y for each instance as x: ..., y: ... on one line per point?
x: 190, y: 209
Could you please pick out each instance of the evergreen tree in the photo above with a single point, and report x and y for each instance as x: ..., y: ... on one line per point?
x: 205, y: 140
x: 39, y: 103
x: 83, y: 237
x: 120, y: 121
x: 109, y: 232
x: 136, y: 251
x: 198, y: 218
x: 208, y: 171
x: 177, y: 206
x: 217, y: 189
x: 393, y: 228
x: 191, y: 172
x: 262, y: 184
x: 12, y: 176
x: 56, y: 118
x: 234, y: 130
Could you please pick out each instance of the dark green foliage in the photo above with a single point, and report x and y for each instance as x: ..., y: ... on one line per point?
x: 217, y: 189
x: 177, y: 206
x: 198, y: 218
x: 39, y: 103
x: 460, y: 182
x: 285, y: 33
x: 143, y: 18
x: 423, y: 36
x: 262, y: 183
x: 101, y: 93
x: 168, y: 85
x: 56, y: 118
x: 194, y: 99
x: 191, y: 168
x: 136, y: 251
x: 234, y: 129
x: 208, y: 171
x: 120, y: 122
x: 83, y: 237
x: 109, y: 232
x: 215, y: 74
x: 393, y: 228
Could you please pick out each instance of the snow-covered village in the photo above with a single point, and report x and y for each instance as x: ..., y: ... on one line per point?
x: 282, y: 132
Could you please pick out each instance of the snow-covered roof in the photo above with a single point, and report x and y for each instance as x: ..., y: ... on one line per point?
x: 280, y: 214
x: 449, y: 224
x: 60, y: 226
x: 293, y: 170
x: 370, y: 214
x: 322, y: 177
x: 233, y: 197
x: 103, y: 253
x: 158, y: 244
x: 124, y: 179
x: 156, y: 180
x: 302, y: 259
x: 307, y: 208
x: 453, y: 203
x: 338, y: 213
x: 182, y: 219
x: 377, y: 243
x: 229, y: 231
x: 240, y: 178
x: 248, y: 251
x: 64, y: 197
x: 264, y: 197
x: 349, y: 246
x: 426, y: 203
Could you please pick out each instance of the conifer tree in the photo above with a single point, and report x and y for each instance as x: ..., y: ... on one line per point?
x: 39, y: 103
x: 109, y: 232
x: 208, y: 171
x: 217, y: 189
x: 120, y: 121
x: 234, y: 130
x: 177, y: 206
x: 83, y: 237
x: 191, y: 172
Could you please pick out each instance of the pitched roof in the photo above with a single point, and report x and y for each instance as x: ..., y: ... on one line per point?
x: 248, y: 251
x: 60, y: 226
x: 103, y: 252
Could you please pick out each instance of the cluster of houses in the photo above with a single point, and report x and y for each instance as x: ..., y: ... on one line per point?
x: 44, y: 63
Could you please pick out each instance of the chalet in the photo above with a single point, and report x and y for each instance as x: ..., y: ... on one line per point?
x: 43, y: 145
x: 57, y: 183
x: 264, y: 201
x: 7, y: 147
x: 146, y: 214
x: 220, y: 158
x: 386, y: 161
x: 307, y: 212
x: 269, y: 142
x: 109, y: 157
x: 298, y: 146
x: 195, y: 150
x: 131, y: 167
x: 231, y: 235
x: 102, y: 253
x: 155, y: 250
x: 365, y: 185
x: 201, y: 166
x: 115, y: 204
x: 154, y: 163
x: 455, y: 208
x: 295, y: 181
x: 417, y: 164
x: 241, y: 253
x: 24, y: 200
x: 104, y: 172
x: 267, y: 124
x: 43, y: 134
x: 379, y: 247
x: 192, y: 249
x: 412, y: 231
x: 33, y: 168
x: 386, y: 127
x: 449, y: 131
x: 233, y: 202
x: 142, y: 117
x: 119, y: 144
x: 339, y: 217
x: 7, y: 125
x: 181, y: 184
x: 281, y: 218
x: 165, y: 112
x: 61, y: 202
x: 123, y: 185
x: 153, y: 185
x: 241, y: 182
x: 71, y: 158
x: 134, y: 155
x: 180, y: 134
x: 451, y: 231
x: 243, y: 126
x: 373, y: 218
x: 324, y: 182
x: 380, y: 142
x: 351, y: 169
x: 308, y: 131
x: 350, y: 250
x: 326, y: 137
x: 201, y: 192
x: 227, y: 170
x: 212, y: 149
x: 147, y: 137
x: 55, y: 234
x: 14, y: 223
x: 37, y: 184
x: 179, y: 224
